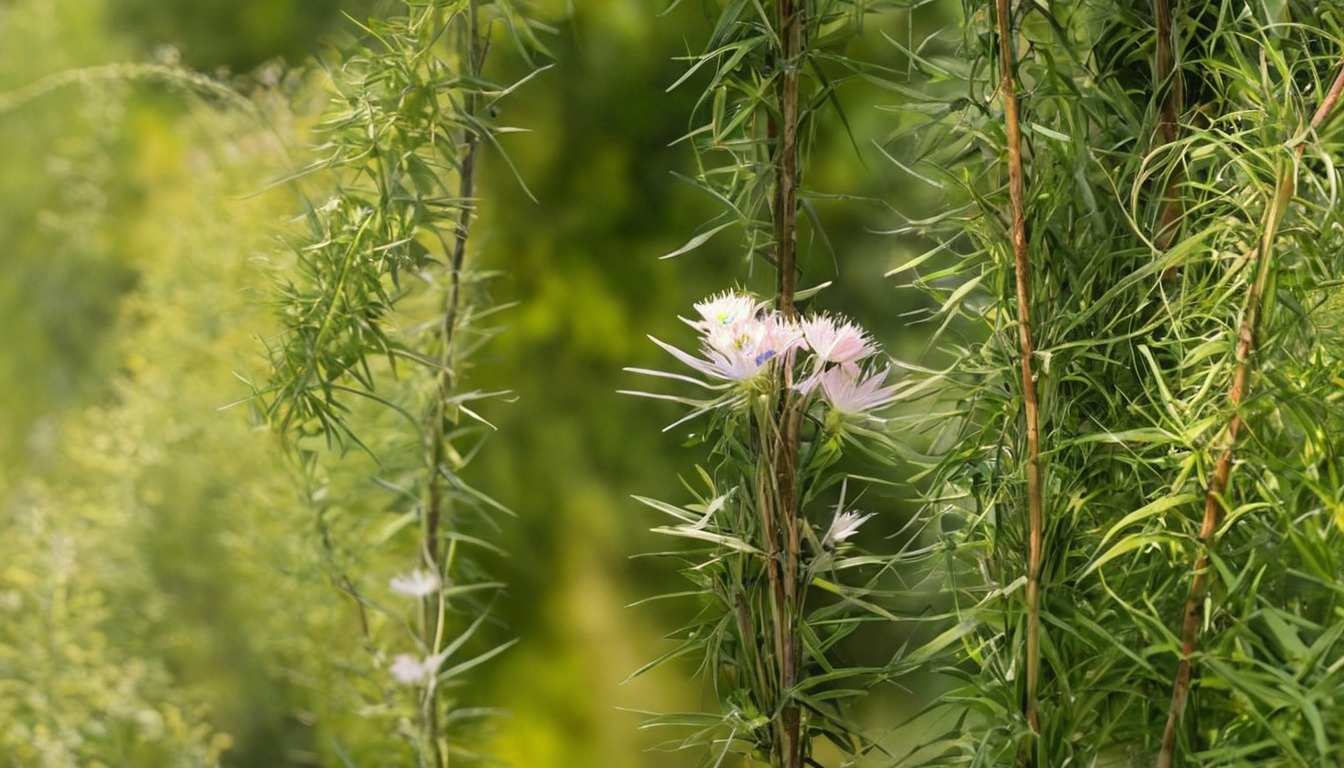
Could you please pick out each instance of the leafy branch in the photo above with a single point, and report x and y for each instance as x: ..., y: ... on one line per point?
x: 1219, y: 477
x: 385, y: 312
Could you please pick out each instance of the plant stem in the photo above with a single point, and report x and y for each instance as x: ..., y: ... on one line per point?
x: 791, y: 23
x: 1017, y: 195
x: 1167, y: 78
x: 1214, y: 500
x: 472, y: 51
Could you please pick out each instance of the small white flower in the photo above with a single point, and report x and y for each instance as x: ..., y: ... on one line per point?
x: 417, y: 583
x: 844, y: 525
x: 727, y: 308
x: 409, y: 670
x: 842, y: 343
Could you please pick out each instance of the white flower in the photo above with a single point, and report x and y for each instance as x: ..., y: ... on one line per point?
x: 850, y: 392
x: 725, y: 309
x: 409, y: 670
x: 844, y: 525
x: 835, y: 342
x: 417, y: 583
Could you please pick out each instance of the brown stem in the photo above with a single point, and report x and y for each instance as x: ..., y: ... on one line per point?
x: 1193, y: 615
x: 791, y: 21
x: 768, y: 506
x: 1035, y: 514
x: 1164, y: 73
x: 784, y: 465
x: 786, y: 457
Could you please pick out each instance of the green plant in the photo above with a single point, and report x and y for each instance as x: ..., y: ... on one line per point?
x: 381, y: 320
x: 1132, y: 233
x: 766, y: 631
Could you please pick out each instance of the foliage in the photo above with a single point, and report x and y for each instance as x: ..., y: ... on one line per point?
x: 167, y: 594
x: 764, y: 647
x: 1148, y: 268
x: 385, y: 311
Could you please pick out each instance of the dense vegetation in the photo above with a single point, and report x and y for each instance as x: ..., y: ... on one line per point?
x: 313, y: 451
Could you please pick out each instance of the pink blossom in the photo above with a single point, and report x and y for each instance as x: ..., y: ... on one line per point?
x: 850, y: 392
x: 842, y: 343
x: 741, y: 350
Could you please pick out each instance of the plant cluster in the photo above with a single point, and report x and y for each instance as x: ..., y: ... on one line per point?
x: 771, y: 575
x: 1133, y: 495
x: 1136, y: 426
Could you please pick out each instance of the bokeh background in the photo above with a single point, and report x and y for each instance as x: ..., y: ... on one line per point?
x: 164, y: 594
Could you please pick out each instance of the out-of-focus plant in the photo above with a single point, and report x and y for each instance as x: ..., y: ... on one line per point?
x: 75, y: 688
x: 381, y: 317
x: 1141, y: 514
x: 122, y: 532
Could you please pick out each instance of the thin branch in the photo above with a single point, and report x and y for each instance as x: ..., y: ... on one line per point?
x: 1035, y: 513
x: 1167, y: 78
x: 474, y: 50
x: 1214, y: 500
x: 792, y: 19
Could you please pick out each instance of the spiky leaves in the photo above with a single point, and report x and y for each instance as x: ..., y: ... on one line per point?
x: 381, y: 315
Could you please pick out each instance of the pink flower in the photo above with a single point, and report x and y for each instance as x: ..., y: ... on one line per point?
x: 740, y: 350
x: 850, y: 392
x: 842, y: 343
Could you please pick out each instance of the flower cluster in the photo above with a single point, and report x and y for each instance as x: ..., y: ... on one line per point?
x: 742, y: 340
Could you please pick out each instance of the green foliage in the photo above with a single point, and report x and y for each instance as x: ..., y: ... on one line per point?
x: 1137, y: 350
x: 740, y: 120
x: 209, y: 34
x: 383, y: 314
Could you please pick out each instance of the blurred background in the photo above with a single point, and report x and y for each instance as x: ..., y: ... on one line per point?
x: 164, y: 594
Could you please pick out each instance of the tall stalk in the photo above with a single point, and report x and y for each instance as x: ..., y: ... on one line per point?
x: 363, y: 344
x: 768, y: 80
x: 471, y: 49
x: 1030, y: 403
x: 1219, y: 477
x: 792, y: 21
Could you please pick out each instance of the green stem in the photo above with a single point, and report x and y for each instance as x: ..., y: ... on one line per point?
x: 472, y: 51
